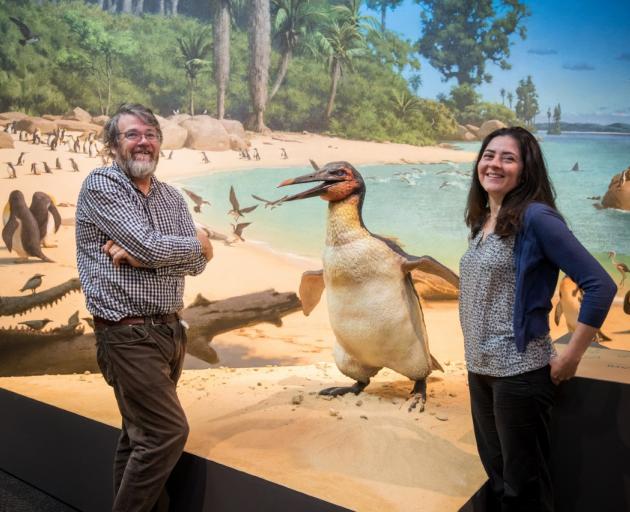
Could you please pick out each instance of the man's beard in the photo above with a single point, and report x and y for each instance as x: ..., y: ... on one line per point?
x: 136, y: 169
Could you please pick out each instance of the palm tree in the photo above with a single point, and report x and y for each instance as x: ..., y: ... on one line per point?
x: 415, y: 81
x: 502, y: 93
x: 194, y: 47
x: 405, y: 104
x: 510, y: 98
x: 223, y: 10
x: 259, y: 35
x: 342, y: 41
x: 383, y: 5
x: 295, y: 22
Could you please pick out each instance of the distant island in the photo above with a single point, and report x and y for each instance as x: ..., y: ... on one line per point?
x: 589, y: 127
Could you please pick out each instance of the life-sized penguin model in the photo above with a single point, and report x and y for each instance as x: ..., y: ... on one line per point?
x: 569, y: 301
x: 20, y: 232
x: 47, y: 216
x: 373, y: 306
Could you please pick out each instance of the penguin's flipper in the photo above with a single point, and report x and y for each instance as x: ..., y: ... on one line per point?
x: 8, y: 230
x: 557, y: 313
x: 311, y: 288
x: 435, y: 364
x: 6, y: 213
x: 431, y: 266
x: 56, y: 216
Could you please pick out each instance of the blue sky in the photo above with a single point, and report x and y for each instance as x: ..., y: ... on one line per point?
x: 578, y: 54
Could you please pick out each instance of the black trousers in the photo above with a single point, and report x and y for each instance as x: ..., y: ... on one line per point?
x: 511, y: 418
x: 143, y: 364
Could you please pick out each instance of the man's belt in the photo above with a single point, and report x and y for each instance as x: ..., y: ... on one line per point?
x: 137, y: 320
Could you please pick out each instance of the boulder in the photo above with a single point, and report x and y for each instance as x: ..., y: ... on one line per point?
x: 178, y: 118
x: 6, y: 141
x: 100, y: 120
x: 173, y: 135
x: 13, y: 116
x: 78, y: 114
x: 79, y: 126
x: 206, y: 133
x: 238, y: 144
x: 618, y: 193
x: 234, y: 127
x: 489, y: 127
x: 462, y: 133
x: 472, y: 129
x: 30, y: 124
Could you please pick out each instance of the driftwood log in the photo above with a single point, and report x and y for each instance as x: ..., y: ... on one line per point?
x: 37, y: 355
x: 10, y: 306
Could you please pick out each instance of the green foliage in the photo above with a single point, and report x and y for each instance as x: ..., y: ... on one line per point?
x: 86, y: 55
x: 527, y: 101
x: 478, y: 113
x: 460, y: 36
x: 557, y: 116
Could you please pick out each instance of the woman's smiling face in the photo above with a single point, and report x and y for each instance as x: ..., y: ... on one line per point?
x: 499, y: 169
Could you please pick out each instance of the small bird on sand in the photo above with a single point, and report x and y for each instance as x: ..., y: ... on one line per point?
x: 27, y: 34
x: 36, y: 325
x: 162, y: 154
x: 268, y: 203
x: 33, y: 283
x: 236, y: 210
x: 238, y: 230
x: 34, y: 169
x: 20, y: 159
x: 197, y: 199
x: 205, y: 158
x: 47, y: 168
x: 622, y: 268
x: 75, y: 166
x: 170, y: 155
x: 256, y: 154
x: 12, y: 171
x: 283, y: 154
x: 74, y: 319
x: 57, y: 163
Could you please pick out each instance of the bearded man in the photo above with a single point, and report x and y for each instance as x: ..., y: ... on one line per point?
x: 135, y: 242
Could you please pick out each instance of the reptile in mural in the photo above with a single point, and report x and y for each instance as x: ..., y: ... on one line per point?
x: 11, y: 306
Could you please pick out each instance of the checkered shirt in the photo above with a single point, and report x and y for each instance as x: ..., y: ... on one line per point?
x: 156, y: 229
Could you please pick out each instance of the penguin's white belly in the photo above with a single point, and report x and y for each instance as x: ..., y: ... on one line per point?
x: 17, y: 245
x: 374, y: 319
x: 47, y: 240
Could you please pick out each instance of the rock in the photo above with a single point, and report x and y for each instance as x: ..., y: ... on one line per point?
x: 51, y: 117
x: 333, y: 412
x: 6, y: 141
x: 441, y: 417
x: 173, y: 135
x: 359, y: 403
x: 79, y: 126
x: 100, y: 120
x: 297, y: 399
x: 78, y: 114
x: 233, y: 127
x: 432, y: 287
x: 489, y: 127
x: 13, y: 116
x: 206, y: 133
x: 618, y: 193
x: 472, y: 128
x: 363, y: 417
x: 178, y: 118
x: 30, y: 124
x: 238, y: 144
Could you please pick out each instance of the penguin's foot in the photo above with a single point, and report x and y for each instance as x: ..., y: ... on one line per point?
x: 356, y: 388
x: 418, y: 395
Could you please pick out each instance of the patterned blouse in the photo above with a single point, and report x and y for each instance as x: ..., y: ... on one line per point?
x: 486, y: 305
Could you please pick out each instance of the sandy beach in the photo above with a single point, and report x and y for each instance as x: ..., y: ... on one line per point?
x: 365, y: 453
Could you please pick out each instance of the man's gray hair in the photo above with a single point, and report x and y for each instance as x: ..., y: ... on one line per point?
x: 110, y: 130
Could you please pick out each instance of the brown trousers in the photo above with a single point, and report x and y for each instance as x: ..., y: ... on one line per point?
x: 143, y: 364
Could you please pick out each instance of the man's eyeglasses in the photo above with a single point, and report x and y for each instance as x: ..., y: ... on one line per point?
x: 134, y: 136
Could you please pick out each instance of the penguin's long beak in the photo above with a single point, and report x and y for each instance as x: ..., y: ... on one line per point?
x: 327, y: 179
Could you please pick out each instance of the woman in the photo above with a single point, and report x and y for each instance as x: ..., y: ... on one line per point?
x: 518, y: 243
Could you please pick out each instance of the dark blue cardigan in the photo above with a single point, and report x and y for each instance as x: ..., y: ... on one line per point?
x: 542, y: 247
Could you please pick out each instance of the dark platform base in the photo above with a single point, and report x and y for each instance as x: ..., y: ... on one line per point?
x: 69, y: 457
x: 591, y: 448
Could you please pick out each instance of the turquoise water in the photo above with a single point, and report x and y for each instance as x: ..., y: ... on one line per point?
x: 423, y: 205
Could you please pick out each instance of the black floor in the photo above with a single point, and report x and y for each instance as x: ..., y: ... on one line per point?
x: 17, y: 496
